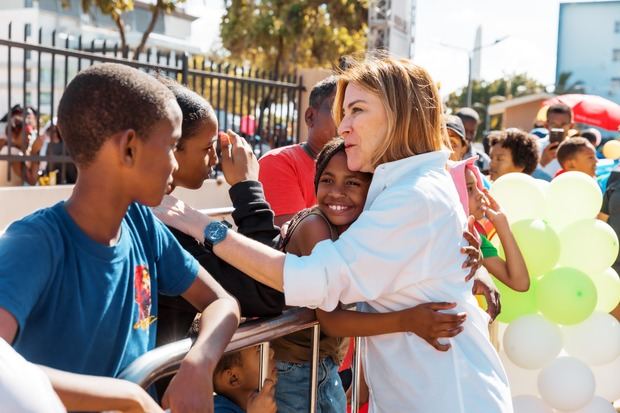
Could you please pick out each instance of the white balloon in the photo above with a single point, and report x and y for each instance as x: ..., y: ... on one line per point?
x: 529, y: 404
x: 607, y: 383
x: 531, y: 341
x: 607, y: 290
x: 522, y: 381
x: 595, y: 340
x: 597, y: 405
x: 566, y: 384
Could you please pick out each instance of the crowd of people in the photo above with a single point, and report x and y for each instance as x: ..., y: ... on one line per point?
x: 381, y: 207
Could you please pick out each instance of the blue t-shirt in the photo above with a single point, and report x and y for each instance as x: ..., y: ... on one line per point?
x: 222, y: 404
x: 83, y: 306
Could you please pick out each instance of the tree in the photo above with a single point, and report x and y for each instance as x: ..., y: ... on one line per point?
x: 281, y: 35
x: 564, y: 85
x: 484, y: 93
x: 116, y: 8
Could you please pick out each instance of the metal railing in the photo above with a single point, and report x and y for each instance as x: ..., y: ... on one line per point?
x: 166, y: 360
x: 261, y: 106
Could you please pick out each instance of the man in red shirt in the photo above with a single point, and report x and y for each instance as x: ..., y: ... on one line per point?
x: 287, y: 173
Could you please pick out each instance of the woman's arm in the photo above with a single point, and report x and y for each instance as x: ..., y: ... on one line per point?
x: 512, y: 272
x: 424, y: 320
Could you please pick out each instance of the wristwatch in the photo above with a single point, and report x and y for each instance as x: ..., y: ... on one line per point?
x: 215, y: 233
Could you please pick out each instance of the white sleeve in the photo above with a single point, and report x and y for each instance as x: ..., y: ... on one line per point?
x: 372, y: 258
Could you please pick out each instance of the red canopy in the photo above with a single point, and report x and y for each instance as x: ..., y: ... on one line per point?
x: 591, y: 110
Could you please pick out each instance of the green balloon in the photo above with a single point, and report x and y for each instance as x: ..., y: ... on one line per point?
x: 520, y: 196
x: 516, y: 304
x: 589, y: 245
x: 607, y: 289
x: 572, y: 196
x: 539, y: 245
x: 566, y: 296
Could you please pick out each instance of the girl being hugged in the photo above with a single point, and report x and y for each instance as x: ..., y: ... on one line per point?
x: 403, y: 250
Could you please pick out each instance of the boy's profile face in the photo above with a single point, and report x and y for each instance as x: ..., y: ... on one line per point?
x: 154, y: 160
x: 245, y: 375
x: 502, y: 162
x: 583, y: 161
x: 197, y: 157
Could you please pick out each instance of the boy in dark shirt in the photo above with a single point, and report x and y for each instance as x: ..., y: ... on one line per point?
x: 196, y: 157
x: 86, y: 303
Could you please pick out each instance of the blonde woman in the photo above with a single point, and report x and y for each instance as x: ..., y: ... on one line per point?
x: 402, y: 251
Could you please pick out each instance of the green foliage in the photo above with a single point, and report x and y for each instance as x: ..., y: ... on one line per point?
x: 485, y: 93
x: 116, y: 8
x: 564, y: 85
x: 280, y: 35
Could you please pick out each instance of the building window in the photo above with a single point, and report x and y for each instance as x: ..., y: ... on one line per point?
x: 617, y: 27
x: 616, y: 55
x: 28, y: 3
x: 615, y: 85
x: 28, y: 30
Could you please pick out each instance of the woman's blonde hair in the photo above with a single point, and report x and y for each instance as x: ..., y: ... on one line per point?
x: 411, y: 101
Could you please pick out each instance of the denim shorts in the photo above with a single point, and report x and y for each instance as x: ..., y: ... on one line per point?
x: 293, y: 388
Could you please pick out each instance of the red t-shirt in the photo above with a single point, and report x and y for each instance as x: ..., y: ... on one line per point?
x: 287, y: 175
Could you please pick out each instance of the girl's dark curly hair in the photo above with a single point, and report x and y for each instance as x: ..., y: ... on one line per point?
x: 523, y: 147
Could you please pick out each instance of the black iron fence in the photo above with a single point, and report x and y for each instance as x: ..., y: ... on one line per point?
x: 261, y: 106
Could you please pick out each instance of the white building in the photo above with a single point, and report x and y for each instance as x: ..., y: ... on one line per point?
x: 172, y: 32
x: 391, y: 26
x: 589, y: 46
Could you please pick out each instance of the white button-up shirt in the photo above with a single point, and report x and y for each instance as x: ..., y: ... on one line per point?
x: 402, y: 251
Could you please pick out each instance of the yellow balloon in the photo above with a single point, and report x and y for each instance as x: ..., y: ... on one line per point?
x: 611, y: 149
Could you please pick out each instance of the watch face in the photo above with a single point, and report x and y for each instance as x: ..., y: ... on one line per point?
x: 216, y: 232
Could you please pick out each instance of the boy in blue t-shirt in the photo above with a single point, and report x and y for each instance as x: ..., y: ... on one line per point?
x: 79, y: 280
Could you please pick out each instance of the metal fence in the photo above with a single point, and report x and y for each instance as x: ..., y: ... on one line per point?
x: 261, y: 106
x: 165, y: 361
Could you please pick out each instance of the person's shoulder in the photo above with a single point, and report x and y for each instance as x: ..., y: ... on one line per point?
x: 41, y: 221
x: 284, y: 152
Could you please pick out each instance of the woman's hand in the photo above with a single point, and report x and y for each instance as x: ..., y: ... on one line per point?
x: 238, y: 160
x: 474, y: 255
x: 175, y: 213
x: 484, y: 285
x: 428, y: 323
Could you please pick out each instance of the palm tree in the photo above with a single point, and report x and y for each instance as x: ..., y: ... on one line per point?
x: 564, y: 85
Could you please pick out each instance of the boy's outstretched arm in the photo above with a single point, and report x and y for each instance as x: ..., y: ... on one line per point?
x: 79, y: 392
x: 191, y: 389
x: 512, y: 272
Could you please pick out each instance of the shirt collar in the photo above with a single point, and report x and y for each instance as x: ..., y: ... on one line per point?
x: 389, y: 173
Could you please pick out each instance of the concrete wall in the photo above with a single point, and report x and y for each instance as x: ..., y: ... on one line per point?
x: 18, y: 202
x: 521, y: 116
x: 310, y: 77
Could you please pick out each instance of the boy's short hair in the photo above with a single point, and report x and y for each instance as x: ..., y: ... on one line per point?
x: 322, y: 90
x: 228, y: 361
x: 523, y: 147
x: 197, y: 112
x: 560, y: 108
x: 105, y: 99
x: 570, y: 147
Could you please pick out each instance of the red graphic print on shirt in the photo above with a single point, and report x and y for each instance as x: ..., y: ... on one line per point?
x: 142, y: 291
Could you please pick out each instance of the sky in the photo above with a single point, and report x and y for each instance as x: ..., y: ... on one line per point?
x: 531, y: 27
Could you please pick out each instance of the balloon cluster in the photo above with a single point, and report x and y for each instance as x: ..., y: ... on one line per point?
x: 561, y: 347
